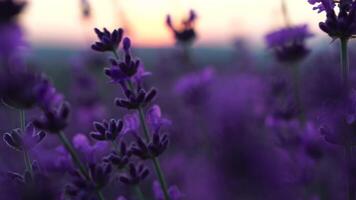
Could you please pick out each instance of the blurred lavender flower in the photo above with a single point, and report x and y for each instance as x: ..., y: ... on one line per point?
x: 341, y: 25
x: 100, y: 174
x: 173, y: 191
x: 338, y: 124
x: 193, y: 88
x: 24, y: 141
x: 186, y: 34
x: 108, y: 41
x: 288, y: 43
x: 20, y: 89
x: 80, y: 188
x: 107, y: 130
x: 9, y: 9
x: 54, y: 120
x: 137, y: 173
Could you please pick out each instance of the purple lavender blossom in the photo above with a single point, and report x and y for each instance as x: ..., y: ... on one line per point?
x: 341, y: 25
x: 137, y: 173
x: 9, y: 9
x: 26, y: 140
x: 107, y: 130
x: 194, y: 87
x: 54, y: 120
x: 109, y: 41
x: 288, y: 43
x: 186, y: 34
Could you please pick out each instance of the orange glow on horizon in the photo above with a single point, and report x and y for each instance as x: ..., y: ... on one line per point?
x: 60, y: 22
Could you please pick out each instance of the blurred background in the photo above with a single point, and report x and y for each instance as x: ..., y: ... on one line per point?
x: 59, y: 23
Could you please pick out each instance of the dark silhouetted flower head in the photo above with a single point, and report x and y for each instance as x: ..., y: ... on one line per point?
x: 100, y: 174
x: 108, y: 41
x: 121, y: 159
x: 9, y: 9
x: 107, y: 130
x: 134, y: 100
x: 24, y: 140
x: 288, y: 43
x: 136, y: 174
x: 153, y: 148
x: 341, y: 25
x: 186, y: 33
x: 54, y: 120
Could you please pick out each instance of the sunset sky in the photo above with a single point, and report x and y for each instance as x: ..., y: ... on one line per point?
x: 59, y: 22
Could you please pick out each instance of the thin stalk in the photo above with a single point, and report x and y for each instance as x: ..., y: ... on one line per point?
x: 139, y: 192
x: 350, y: 185
x: 155, y: 160
x: 297, y: 96
x: 143, y: 123
x: 76, y: 160
x: 285, y: 12
x: 344, y: 59
x: 27, y: 160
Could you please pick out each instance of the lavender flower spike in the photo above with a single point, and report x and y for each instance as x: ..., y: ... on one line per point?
x: 24, y: 141
x: 108, y: 41
x: 288, y: 43
x: 337, y: 25
x: 54, y: 120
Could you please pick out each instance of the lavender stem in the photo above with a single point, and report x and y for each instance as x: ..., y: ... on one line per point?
x: 155, y: 160
x: 139, y: 192
x: 27, y: 159
x: 344, y: 58
x: 76, y: 160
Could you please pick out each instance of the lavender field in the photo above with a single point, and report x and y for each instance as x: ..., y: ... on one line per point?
x: 116, y: 120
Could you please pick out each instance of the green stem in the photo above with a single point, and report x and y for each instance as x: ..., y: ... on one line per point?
x: 27, y: 160
x: 77, y: 161
x: 74, y: 155
x: 155, y: 160
x: 344, y: 58
x: 297, y: 96
x: 139, y: 192
x: 156, y: 163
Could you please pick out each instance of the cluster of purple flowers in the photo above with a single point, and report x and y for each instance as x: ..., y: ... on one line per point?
x: 257, y: 132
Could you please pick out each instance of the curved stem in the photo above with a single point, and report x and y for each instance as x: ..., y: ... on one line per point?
x: 27, y: 160
x: 155, y: 160
x: 76, y: 160
x: 74, y: 155
x: 344, y: 59
x: 139, y: 192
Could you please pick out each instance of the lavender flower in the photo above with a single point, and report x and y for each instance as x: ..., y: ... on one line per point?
x: 100, y: 174
x: 24, y: 141
x: 107, y: 130
x: 151, y: 149
x: 120, y: 160
x: 137, y: 173
x: 341, y: 25
x: 288, y: 43
x: 9, y: 9
x: 54, y: 120
x: 186, y: 34
x: 108, y: 41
